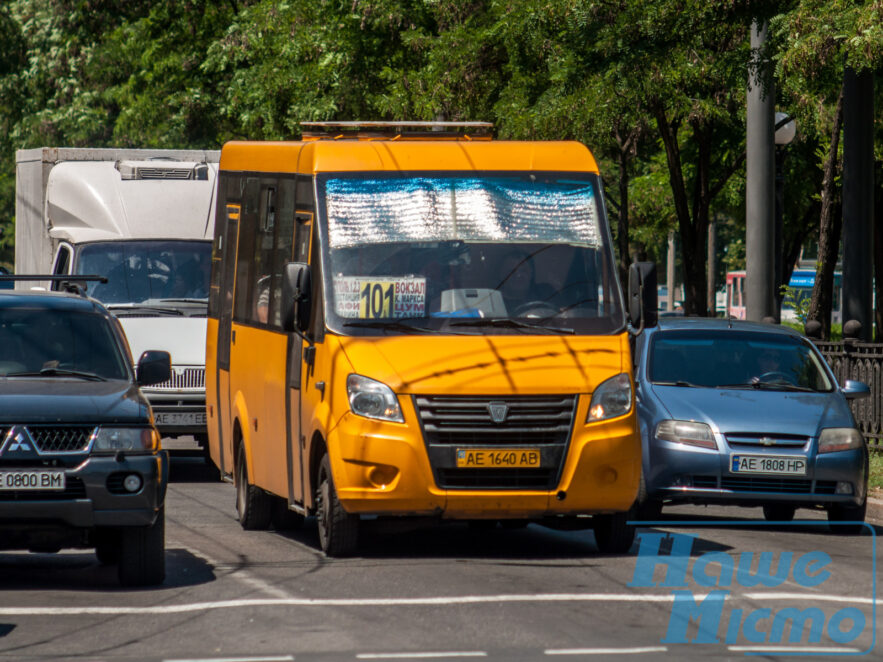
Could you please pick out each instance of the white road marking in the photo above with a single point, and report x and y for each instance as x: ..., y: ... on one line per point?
x: 424, y: 655
x: 791, y: 649
x: 282, y: 658
x: 240, y: 575
x: 404, y: 602
x: 606, y: 651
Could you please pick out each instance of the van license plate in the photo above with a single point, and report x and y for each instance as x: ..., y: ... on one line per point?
x: 768, y: 464
x: 32, y: 480
x: 499, y: 458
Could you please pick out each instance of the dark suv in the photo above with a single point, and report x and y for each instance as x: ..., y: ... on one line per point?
x: 80, y: 459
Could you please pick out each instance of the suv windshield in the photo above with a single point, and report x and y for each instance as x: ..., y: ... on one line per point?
x: 58, y: 342
x: 734, y: 359
x: 443, y: 250
x: 156, y: 274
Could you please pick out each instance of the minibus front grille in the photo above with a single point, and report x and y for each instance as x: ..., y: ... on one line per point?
x: 452, y: 423
x: 188, y: 378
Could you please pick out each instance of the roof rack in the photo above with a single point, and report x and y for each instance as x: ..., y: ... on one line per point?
x: 394, y: 130
x: 67, y: 283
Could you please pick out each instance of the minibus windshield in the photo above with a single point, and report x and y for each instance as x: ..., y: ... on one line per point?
x: 459, y: 252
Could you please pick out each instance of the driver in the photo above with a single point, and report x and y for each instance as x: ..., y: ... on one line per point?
x: 518, y: 285
x: 769, y: 361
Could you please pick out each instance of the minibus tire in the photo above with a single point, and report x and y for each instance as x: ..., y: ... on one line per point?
x: 612, y: 533
x: 143, y: 553
x: 253, y: 505
x: 338, y: 530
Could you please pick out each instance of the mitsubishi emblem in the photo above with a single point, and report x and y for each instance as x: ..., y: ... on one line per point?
x: 498, y: 411
x: 19, y: 443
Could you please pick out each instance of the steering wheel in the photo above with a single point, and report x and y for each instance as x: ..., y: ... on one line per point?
x: 528, y: 307
x: 774, y: 377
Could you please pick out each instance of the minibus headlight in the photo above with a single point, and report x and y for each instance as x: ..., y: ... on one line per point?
x: 372, y: 399
x: 840, y: 439
x: 686, y: 432
x: 612, y: 398
x: 111, y: 440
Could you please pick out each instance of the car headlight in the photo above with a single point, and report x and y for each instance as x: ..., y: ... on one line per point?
x: 111, y: 440
x: 686, y: 432
x: 612, y: 398
x: 372, y: 399
x: 840, y: 439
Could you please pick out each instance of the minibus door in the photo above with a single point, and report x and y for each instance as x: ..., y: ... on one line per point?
x: 225, y: 326
x: 296, y: 440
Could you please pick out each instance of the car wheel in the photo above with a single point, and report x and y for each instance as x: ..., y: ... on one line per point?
x: 779, y: 512
x: 338, y: 530
x: 108, y: 546
x: 143, y: 554
x: 253, y: 505
x: 613, y: 535
x: 842, y: 513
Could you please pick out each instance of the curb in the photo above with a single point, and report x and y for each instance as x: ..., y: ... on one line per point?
x: 874, y: 514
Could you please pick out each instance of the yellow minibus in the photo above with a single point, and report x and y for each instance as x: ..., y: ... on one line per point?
x: 415, y: 319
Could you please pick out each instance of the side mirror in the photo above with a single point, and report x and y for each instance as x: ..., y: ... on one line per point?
x: 643, y: 296
x: 854, y: 390
x: 297, y: 289
x: 154, y: 367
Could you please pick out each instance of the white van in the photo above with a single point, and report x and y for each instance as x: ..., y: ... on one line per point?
x: 144, y: 219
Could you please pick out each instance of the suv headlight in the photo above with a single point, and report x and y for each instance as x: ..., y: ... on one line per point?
x: 612, y: 398
x: 840, y: 439
x: 111, y: 440
x: 373, y: 399
x: 686, y: 432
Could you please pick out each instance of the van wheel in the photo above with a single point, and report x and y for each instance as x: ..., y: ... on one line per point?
x: 843, y: 513
x: 143, y: 553
x: 778, y: 512
x: 253, y: 505
x: 612, y: 534
x: 108, y: 546
x: 338, y: 530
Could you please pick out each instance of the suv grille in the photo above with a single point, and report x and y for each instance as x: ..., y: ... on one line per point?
x: 55, y: 439
x: 450, y: 423
x: 190, y: 378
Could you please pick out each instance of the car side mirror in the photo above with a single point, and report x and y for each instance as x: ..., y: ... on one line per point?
x: 154, y: 367
x: 854, y: 390
x: 297, y: 292
x: 642, y: 295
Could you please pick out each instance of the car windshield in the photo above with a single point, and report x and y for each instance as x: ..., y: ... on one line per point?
x: 735, y: 359
x: 49, y: 342
x: 457, y: 253
x: 152, y: 273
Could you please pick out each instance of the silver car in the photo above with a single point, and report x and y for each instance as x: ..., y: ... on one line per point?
x: 746, y: 414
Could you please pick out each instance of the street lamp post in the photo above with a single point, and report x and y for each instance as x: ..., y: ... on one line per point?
x: 785, y: 130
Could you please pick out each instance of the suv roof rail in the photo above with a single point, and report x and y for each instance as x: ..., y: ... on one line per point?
x: 403, y: 129
x: 67, y: 283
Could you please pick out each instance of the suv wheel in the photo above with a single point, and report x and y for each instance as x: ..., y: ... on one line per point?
x: 142, y: 553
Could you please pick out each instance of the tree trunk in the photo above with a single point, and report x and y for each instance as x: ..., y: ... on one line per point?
x: 829, y: 233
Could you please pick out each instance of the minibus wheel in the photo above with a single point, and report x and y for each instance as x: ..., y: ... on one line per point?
x: 613, y: 535
x: 253, y: 505
x: 338, y: 530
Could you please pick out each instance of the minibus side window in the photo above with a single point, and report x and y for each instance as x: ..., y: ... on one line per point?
x: 261, y: 272
x: 243, y: 300
x: 282, y: 243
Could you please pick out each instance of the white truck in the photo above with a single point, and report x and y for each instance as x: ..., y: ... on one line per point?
x: 144, y: 219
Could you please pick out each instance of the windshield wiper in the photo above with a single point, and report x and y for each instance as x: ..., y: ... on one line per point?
x: 54, y: 372
x: 135, y: 307
x: 679, y: 382
x: 186, y: 300
x: 506, y: 323
x: 390, y: 326
x: 768, y: 386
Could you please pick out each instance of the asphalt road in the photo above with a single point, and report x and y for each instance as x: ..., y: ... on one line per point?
x: 448, y: 591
